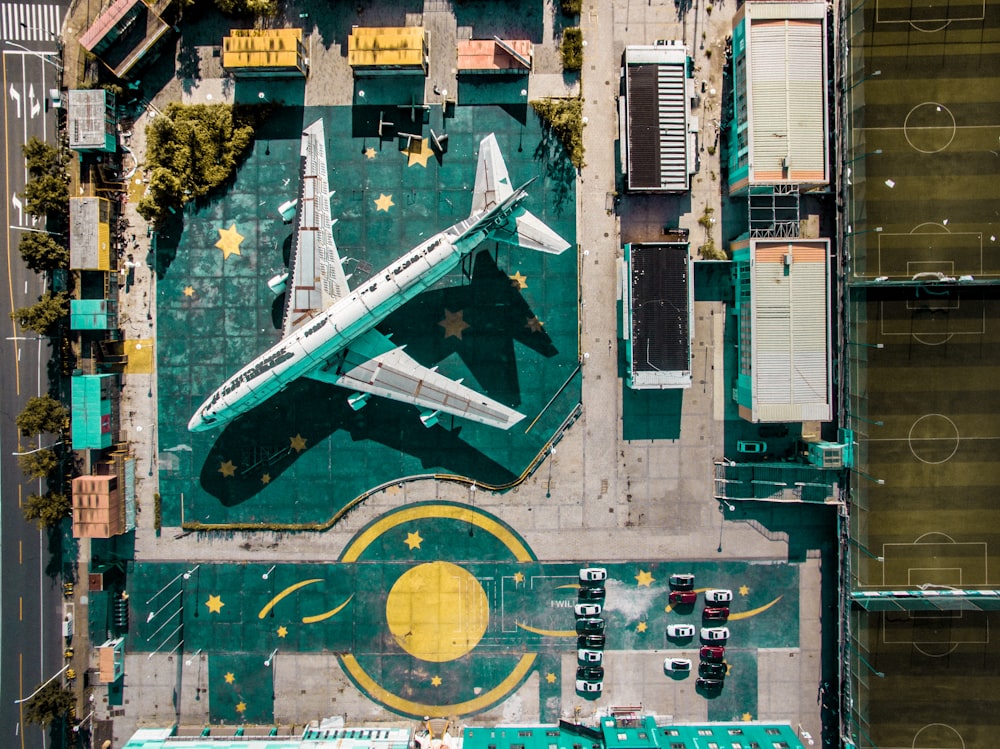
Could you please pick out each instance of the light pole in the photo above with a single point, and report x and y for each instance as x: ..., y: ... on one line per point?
x: 39, y: 55
x: 850, y: 233
x: 875, y: 74
x: 869, y: 153
x: 267, y: 663
x: 268, y: 573
x: 54, y: 676
x: 194, y: 655
x: 152, y: 614
x: 37, y: 449
x: 865, y: 550
x: 879, y: 674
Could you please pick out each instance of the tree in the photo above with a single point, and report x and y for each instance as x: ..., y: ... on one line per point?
x: 266, y: 8
x: 43, y: 158
x: 565, y: 118
x: 572, y: 49
x: 47, y: 194
x: 190, y: 151
x: 43, y: 316
x: 48, y: 509
x: 41, y: 252
x: 52, y: 702
x: 38, y: 464
x: 41, y: 414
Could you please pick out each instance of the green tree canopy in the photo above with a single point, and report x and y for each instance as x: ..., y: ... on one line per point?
x: 47, y: 194
x: 267, y: 8
x: 38, y: 464
x: 47, y: 509
x: 565, y: 118
x: 41, y: 252
x: 43, y: 316
x: 190, y: 151
x: 41, y: 414
x: 43, y: 158
x: 51, y: 703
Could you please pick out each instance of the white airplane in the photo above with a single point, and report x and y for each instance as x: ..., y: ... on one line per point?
x: 329, y: 330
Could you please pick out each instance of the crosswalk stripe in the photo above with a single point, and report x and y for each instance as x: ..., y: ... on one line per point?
x: 30, y: 22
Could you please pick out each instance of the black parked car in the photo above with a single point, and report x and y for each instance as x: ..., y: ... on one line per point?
x: 712, y: 670
x: 590, y: 673
x: 592, y: 594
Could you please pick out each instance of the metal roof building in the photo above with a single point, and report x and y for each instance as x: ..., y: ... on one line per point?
x: 779, y: 129
x: 389, y: 50
x: 658, y: 137
x: 783, y: 308
x: 90, y: 120
x: 90, y: 234
x: 658, y: 301
x: 264, y: 52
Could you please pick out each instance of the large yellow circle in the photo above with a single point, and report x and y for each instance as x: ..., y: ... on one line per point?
x: 437, y: 611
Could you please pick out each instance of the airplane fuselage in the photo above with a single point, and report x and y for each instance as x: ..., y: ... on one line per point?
x: 317, y: 341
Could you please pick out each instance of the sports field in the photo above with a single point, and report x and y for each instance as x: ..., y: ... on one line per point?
x: 922, y: 357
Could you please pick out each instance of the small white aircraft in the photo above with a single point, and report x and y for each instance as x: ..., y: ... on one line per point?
x: 329, y: 330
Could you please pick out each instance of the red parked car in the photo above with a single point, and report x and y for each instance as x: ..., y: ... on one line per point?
x: 716, y: 613
x: 712, y: 653
x: 683, y: 597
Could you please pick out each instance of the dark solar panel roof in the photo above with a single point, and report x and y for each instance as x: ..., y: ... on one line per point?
x: 643, y: 126
x: 660, y: 314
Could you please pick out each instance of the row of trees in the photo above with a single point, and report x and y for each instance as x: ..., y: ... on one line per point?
x: 43, y: 415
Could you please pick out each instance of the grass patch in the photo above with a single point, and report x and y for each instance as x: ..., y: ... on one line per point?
x: 572, y: 49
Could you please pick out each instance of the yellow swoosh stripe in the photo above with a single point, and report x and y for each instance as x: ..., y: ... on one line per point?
x: 327, y: 614
x: 284, y: 594
x: 754, y: 612
x: 571, y: 585
x: 403, y: 705
x: 548, y: 632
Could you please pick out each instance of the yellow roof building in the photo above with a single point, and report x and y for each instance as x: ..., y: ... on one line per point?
x: 388, y: 49
x: 264, y: 52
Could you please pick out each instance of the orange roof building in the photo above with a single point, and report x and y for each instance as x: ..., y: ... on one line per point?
x: 495, y: 56
x: 98, y: 507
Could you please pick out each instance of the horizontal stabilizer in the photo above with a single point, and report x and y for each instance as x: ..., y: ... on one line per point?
x: 534, y: 234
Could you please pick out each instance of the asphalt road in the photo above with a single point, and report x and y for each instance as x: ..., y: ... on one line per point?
x: 31, y: 599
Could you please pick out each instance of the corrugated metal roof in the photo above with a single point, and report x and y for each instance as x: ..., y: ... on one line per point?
x: 787, y: 98
x: 791, y: 355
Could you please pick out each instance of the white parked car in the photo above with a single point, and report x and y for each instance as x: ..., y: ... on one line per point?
x: 715, y: 633
x: 677, y: 665
x: 593, y: 574
x: 680, y: 630
x: 589, y: 687
x: 587, y: 609
x: 586, y: 655
x: 718, y: 596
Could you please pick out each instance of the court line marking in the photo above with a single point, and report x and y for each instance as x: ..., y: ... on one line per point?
x: 954, y: 643
x: 910, y: 440
x: 899, y: 555
x: 883, y: 331
x: 914, y: 233
x: 929, y: 20
x: 929, y: 725
x: 939, y: 106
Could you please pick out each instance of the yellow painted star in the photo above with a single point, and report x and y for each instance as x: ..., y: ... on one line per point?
x: 229, y: 241
x: 282, y: 631
x: 241, y: 707
x: 518, y: 281
x: 266, y: 478
x: 534, y: 325
x: 384, y: 202
x: 550, y: 677
x: 644, y: 579
x: 298, y: 443
x: 227, y: 469
x: 418, y: 152
x: 641, y: 627
x: 453, y: 324
x: 229, y: 677
x: 518, y: 577
x: 436, y: 681
x: 214, y: 604
x: 746, y: 717
x: 744, y: 590
x: 189, y: 291
x: 413, y: 540
x: 369, y: 153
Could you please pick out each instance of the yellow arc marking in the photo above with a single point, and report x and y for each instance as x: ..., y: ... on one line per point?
x: 547, y: 632
x: 284, y: 594
x: 754, y: 612
x: 571, y: 585
x: 326, y: 615
x: 395, y: 702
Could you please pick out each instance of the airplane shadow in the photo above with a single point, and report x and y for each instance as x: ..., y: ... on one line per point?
x: 258, y: 443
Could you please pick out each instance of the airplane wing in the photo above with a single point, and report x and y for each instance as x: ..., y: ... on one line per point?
x: 492, y: 181
x: 372, y: 364
x: 316, y: 278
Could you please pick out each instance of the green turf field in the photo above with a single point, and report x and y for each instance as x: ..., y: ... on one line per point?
x: 922, y: 358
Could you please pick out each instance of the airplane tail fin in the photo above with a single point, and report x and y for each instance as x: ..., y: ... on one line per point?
x: 492, y: 181
x: 493, y: 187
